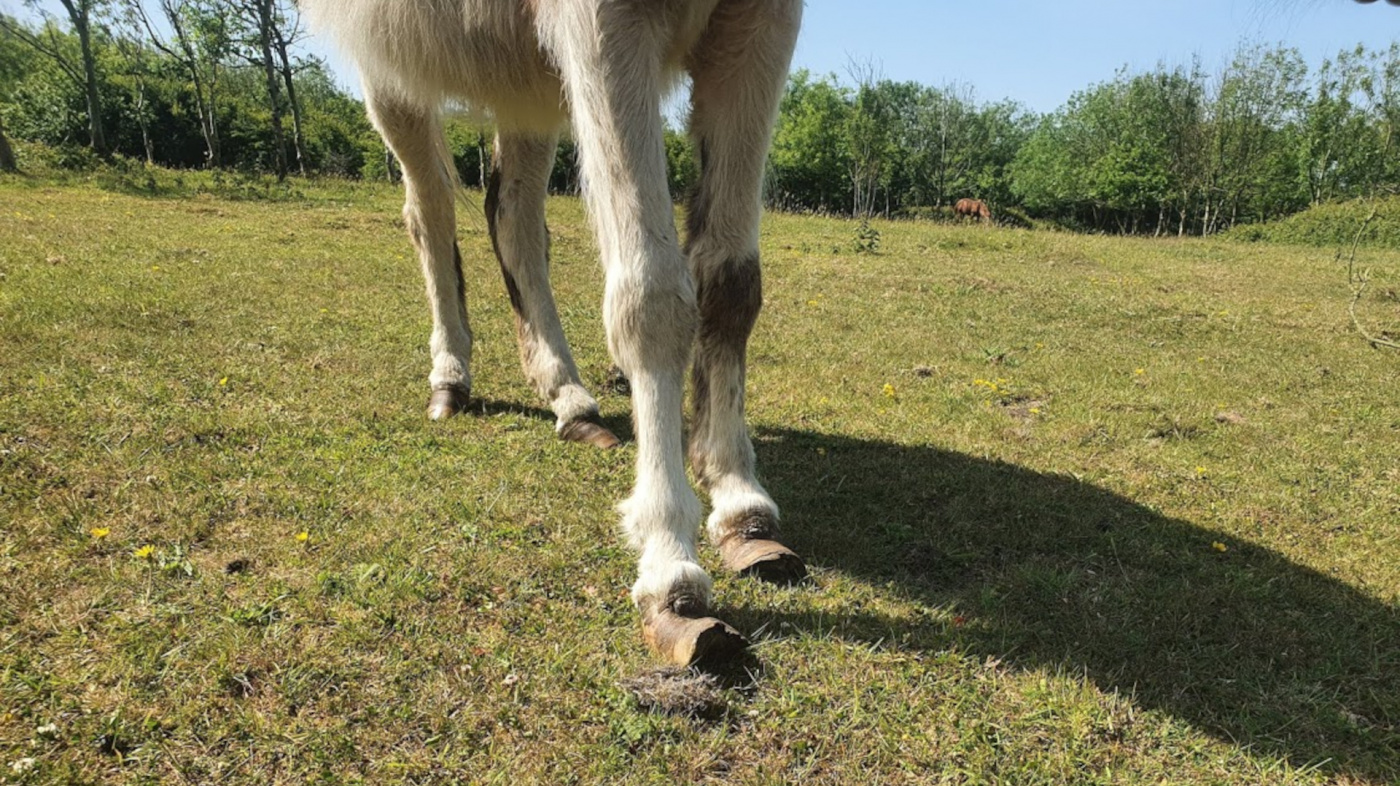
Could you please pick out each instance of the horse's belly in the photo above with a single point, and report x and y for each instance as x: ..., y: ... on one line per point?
x: 482, y: 53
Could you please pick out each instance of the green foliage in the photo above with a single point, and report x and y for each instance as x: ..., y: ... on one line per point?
x: 867, y: 238
x: 682, y: 168
x: 1332, y: 225
x: 1164, y: 151
x: 809, y: 165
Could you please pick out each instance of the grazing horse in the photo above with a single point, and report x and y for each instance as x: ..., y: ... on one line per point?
x: 972, y: 208
x: 534, y: 66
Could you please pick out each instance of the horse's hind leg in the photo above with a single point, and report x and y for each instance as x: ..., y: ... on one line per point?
x: 738, y: 72
x: 414, y: 134
x: 515, y: 197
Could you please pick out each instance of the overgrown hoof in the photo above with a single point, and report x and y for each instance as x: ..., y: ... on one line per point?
x: 702, y: 642
x: 446, y: 402
x: 750, y: 548
x: 590, y: 431
x: 768, y: 560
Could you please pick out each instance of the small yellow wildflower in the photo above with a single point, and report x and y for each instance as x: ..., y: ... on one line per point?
x: 889, y: 390
x: 325, y: 311
x: 1218, y: 546
x: 303, y: 536
x: 1139, y: 371
x: 1035, y: 410
x: 144, y: 552
x: 1200, y: 472
x: 100, y: 532
x: 155, y: 268
x: 811, y: 302
x: 1039, y: 345
x: 223, y: 383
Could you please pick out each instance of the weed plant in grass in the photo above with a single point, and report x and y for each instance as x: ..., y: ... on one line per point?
x: 1079, y: 510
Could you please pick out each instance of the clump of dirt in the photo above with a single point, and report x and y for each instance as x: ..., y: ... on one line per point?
x: 677, y: 691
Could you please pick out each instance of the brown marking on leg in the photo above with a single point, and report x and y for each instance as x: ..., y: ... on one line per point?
x: 750, y: 547
x: 680, y: 632
x: 589, y: 430
x: 730, y: 296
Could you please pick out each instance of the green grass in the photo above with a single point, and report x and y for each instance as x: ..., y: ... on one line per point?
x: 1125, y: 513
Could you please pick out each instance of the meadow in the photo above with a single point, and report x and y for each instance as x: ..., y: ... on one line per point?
x: 1078, y: 509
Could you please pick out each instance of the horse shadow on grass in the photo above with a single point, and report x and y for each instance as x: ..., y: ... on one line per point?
x: 1052, y: 572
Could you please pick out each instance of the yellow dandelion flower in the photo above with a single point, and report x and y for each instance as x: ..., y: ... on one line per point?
x: 100, y: 532
x: 1035, y: 410
x: 223, y: 383
x: 155, y: 268
x: 1200, y: 470
x: 889, y: 390
x: 1139, y: 371
x: 303, y: 536
x: 1218, y: 546
x: 144, y: 552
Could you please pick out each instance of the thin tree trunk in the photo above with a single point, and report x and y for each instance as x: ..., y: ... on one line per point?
x: 262, y: 13
x: 7, y: 154
x: 79, y: 16
x: 295, y: 105
x: 481, y: 158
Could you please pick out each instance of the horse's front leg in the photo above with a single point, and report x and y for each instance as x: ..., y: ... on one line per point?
x: 610, y: 60
x: 735, y: 98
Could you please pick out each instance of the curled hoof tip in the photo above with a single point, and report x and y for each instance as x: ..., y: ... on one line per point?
x: 589, y: 430
x: 767, y: 560
x: 446, y: 402
x: 778, y: 569
x: 704, y: 642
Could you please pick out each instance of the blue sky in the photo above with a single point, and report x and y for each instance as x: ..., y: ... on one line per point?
x: 1040, y: 52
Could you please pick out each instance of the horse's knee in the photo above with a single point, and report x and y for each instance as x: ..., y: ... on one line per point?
x: 730, y: 295
x: 651, y: 320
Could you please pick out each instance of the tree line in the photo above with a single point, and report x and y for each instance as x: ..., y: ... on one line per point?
x: 179, y: 83
x: 1172, y: 150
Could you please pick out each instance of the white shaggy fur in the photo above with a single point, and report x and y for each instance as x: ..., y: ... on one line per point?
x: 532, y: 66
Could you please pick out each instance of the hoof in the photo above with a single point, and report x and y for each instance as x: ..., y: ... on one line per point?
x: 692, y: 641
x: 446, y: 402
x: 750, y: 548
x: 590, y: 431
x: 768, y: 560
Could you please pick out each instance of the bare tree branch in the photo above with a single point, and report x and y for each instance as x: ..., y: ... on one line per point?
x: 1359, y: 279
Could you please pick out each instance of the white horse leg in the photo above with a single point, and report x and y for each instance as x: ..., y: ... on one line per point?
x: 515, y: 196
x: 414, y: 134
x: 738, y: 72
x: 609, y: 55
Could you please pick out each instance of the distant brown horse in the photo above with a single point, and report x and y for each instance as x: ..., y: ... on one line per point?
x: 972, y: 208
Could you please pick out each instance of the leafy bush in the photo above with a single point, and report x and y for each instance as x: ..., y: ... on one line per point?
x: 1332, y: 224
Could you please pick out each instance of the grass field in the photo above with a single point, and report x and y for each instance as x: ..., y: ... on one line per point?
x: 1078, y: 509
